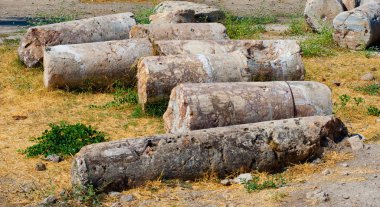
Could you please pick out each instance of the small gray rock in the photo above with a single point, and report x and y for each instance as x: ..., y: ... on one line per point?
x: 378, y: 120
x: 40, y: 166
x: 48, y: 201
x: 346, y: 173
x: 346, y: 197
x: 337, y: 83
x: 28, y: 187
x: 367, y: 77
x: 54, y: 158
x: 317, y: 161
x: 127, y: 198
x: 226, y: 182
x: 243, y: 178
x: 117, y: 204
x: 318, y: 196
x: 114, y: 194
x: 356, y: 143
x: 326, y: 172
x: 345, y: 165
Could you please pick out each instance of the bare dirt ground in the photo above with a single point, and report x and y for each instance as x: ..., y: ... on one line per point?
x: 22, y: 94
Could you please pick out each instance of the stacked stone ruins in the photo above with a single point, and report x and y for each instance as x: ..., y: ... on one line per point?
x: 355, y: 23
x: 254, y: 91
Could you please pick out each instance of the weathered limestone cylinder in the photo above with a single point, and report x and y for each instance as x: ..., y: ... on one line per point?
x: 203, y: 12
x: 102, y: 28
x: 97, y: 64
x: 321, y: 13
x: 268, y: 55
x: 264, y: 146
x: 362, y: 2
x: 358, y: 28
x: 185, y: 31
x: 351, y: 4
x: 158, y: 75
x: 208, y: 105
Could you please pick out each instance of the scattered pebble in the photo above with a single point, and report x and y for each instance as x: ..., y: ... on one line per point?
x: 226, y: 182
x: 117, y: 204
x: 378, y: 120
x: 375, y: 176
x: 346, y: 173
x: 114, y: 194
x: 345, y: 165
x: 40, y: 166
x: 337, y: 83
x: 367, y: 77
x: 127, y: 198
x: 317, y: 161
x: 318, y: 196
x: 326, y: 172
x: 346, y: 197
x: 356, y: 143
x: 243, y: 178
x: 48, y: 201
x: 28, y: 187
x: 54, y: 158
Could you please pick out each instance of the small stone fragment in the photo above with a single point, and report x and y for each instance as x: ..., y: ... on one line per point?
x: 28, y: 187
x: 226, y: 182
x: 54, y: 158
x: 242, y: 178
x: 117, y: 204
x: 345, y: 165
x: 48, y: 201
x: 127, y: 198
x: 114, y: 194
x: 40, y: 166
x: 346, y: 197
x: 346, y: 173
x: 367, y: 77
x: 356, y: 143
x: 317, y: 161
x: 337, y: 83
x: 317, y: 196
x: 326, y: 172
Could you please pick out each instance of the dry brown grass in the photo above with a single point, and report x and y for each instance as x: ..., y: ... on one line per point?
x: 22, y: 94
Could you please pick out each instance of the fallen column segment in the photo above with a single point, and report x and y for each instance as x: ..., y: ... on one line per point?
x: 358, y: 28
x: 102, y: 28
x: 202, y: 12
x: 98, y: 64
x: 264, y: 146
x: 207, y: 105
x: 185, y: 31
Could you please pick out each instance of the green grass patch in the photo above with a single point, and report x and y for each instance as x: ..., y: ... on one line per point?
x: 298, y: 27
x: 142, y: 15
x: 245, y: 27
x: 64, y: 139
x: 319, y: 45
x: 270, y: 182
x: 371, y: 89
x: 373, y: 111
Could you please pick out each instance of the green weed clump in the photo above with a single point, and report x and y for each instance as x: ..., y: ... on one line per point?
x: 298, y: 27
x: 245, y: 27
x: 64, y: 139
x: 371, y: 89
x: 142, y: 15
x: 319, y: 45
x: 373, y: 111
x: 270, y: 182
x: 121, y: 96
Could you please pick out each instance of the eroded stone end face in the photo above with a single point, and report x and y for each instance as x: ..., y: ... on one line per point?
x: 173, y: 17
x: 358, y: 28
x: 321, y: 13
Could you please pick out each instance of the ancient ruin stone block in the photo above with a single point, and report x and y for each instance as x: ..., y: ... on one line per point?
x: 321, y: 13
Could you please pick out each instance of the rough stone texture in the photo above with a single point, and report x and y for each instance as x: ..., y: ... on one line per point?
x: 321, y: 13
x: 351, y: 4
x: 103, y: 28
x: 317, y: 196
x: 208, y: 105
x: 185, y: 31
x: 97, y: 64
x: 367, y: 77
x: 265, y: 146
x: 358, y: 28
x: 179, y: 16
x: 356, y: 143
x: 362, y: 2
x: 272, y: 58
x: 203, y: 12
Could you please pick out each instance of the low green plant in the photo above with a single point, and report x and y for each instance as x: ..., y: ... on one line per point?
x: 142, y: 15
x: 319, y: 45
x: 298, y: 27
x: 344, y: 99
x: 358, y: 100
x: 371, y: 51
x: 156, y: 109
x: 245, y: 27
x: 121, y: 96
x: 64, y: 139
x: 371, y: 89
x: 87, y: 196
x: 373, y: 111
x: 256, y: 184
